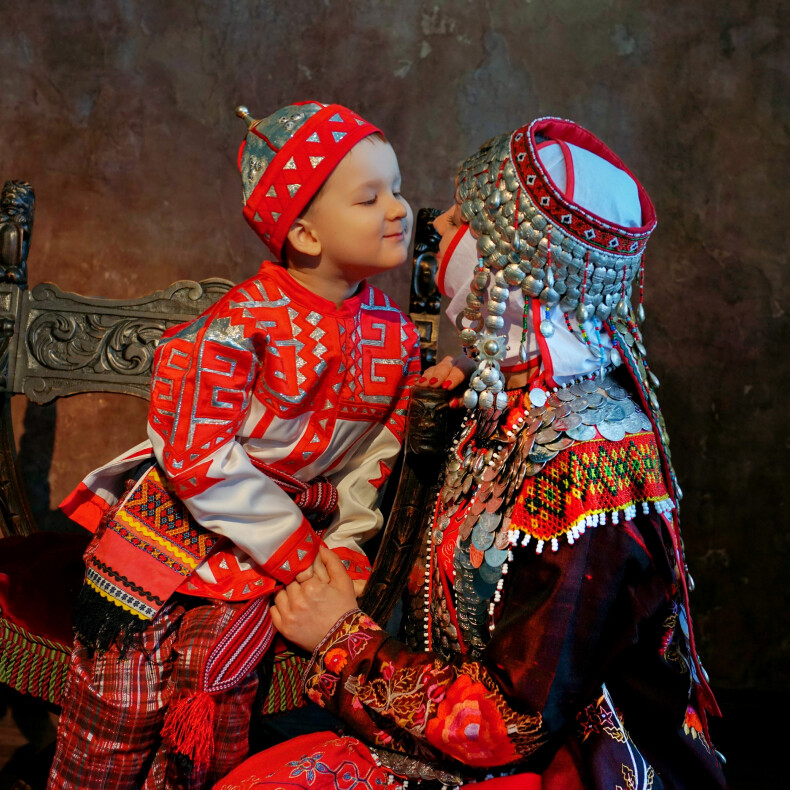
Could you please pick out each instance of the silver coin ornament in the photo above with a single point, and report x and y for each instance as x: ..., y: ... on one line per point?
x: 528, y: 239
x: 492, y: 456
x: 538, y: 397
x: 481, y: 539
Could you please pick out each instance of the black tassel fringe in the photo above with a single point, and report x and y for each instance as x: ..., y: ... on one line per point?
x: 183, y: 762
x: 100, y: 624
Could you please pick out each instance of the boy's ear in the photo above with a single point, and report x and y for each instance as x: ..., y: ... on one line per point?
x: 303, y: 238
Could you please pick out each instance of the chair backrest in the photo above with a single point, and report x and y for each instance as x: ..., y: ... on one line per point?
x: 55, y: 344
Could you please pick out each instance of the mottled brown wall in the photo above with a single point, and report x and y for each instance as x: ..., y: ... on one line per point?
x: 120, y: 114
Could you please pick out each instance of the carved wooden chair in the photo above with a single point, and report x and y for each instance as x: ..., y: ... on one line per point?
x: 55, y: 344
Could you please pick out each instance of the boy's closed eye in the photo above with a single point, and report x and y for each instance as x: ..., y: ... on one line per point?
x: 371, y: 199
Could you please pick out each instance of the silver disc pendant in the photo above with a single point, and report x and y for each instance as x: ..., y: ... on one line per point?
x: 538, y: 397
x: 470, y: 399
x: 546, y: 328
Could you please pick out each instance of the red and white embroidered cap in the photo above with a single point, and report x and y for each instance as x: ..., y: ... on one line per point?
x: 286, y: 158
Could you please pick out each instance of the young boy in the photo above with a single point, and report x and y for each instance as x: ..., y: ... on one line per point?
x: 274, y: 415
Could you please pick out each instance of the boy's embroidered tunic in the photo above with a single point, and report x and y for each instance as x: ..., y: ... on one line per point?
x: 275, y: 419
x: 271, y: 376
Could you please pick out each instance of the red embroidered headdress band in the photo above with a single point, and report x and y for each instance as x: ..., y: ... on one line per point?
x: 553, y: 203
x: 287, y: 157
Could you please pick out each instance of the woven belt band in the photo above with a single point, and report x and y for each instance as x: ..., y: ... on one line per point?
x: 317, y: 496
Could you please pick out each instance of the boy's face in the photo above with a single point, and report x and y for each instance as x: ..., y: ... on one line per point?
x: 360, y: 218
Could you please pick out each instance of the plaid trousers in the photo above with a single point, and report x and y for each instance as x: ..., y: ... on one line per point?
x: 109, y: 734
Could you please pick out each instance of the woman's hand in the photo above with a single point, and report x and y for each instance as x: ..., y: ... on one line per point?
x: 448, y: 374
x: 304, y: 612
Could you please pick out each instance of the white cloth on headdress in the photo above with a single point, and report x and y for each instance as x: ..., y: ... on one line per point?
x: 591, y: 182
x: 570, y: 358
x: 600, y: 188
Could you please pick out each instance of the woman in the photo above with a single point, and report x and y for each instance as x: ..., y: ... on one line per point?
x: 552, y: 643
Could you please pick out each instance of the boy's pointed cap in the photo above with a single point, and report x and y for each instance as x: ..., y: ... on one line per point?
x: 286, y: 158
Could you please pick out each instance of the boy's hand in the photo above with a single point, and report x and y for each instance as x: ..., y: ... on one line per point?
x: 359, y: 586
x: 304, y: 612
x: 316, y: 569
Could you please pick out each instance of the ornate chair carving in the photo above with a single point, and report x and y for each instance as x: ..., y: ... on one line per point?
x: 55, y: 344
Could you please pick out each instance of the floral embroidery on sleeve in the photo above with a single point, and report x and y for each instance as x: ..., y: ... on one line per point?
x: 399, y: 696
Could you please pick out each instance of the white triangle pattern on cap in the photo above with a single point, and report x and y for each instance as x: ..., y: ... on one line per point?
x: 596, y: 185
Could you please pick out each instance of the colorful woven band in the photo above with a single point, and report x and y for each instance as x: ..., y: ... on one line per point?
x: 589, y: 484
x: 299, y: 170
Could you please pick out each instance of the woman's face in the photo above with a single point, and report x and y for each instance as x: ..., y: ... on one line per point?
x: 447, y: 225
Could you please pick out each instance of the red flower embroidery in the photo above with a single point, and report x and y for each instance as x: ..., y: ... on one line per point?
x: 469, y: 727
x: 366, y: 622
x: 356, y: 642
x: 433, y: 686
x: 692, y: 723
x: 382, y: 738
x: 335, y: 659
x: 324, y: 684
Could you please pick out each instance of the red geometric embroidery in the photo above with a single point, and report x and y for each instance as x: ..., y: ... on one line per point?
x: 152, y: 508
x: 300, y: 167
x: 198, y: 397
x: 593, y: 231
x: 589, y: 478
x: 384, y: 473
x: 195, y: 482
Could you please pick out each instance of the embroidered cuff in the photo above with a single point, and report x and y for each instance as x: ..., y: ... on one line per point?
x: 355, y: 562
x: 343, y: 644
x: 294, y: 555
x: 327, y: 640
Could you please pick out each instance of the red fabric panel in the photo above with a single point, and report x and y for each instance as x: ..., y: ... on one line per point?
x: 515, y: 782
x: 313, y: 761
x: 85, y: 507
x: 40, y: 577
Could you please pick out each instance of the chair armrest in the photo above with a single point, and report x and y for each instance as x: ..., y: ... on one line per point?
x: 429, y: 424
